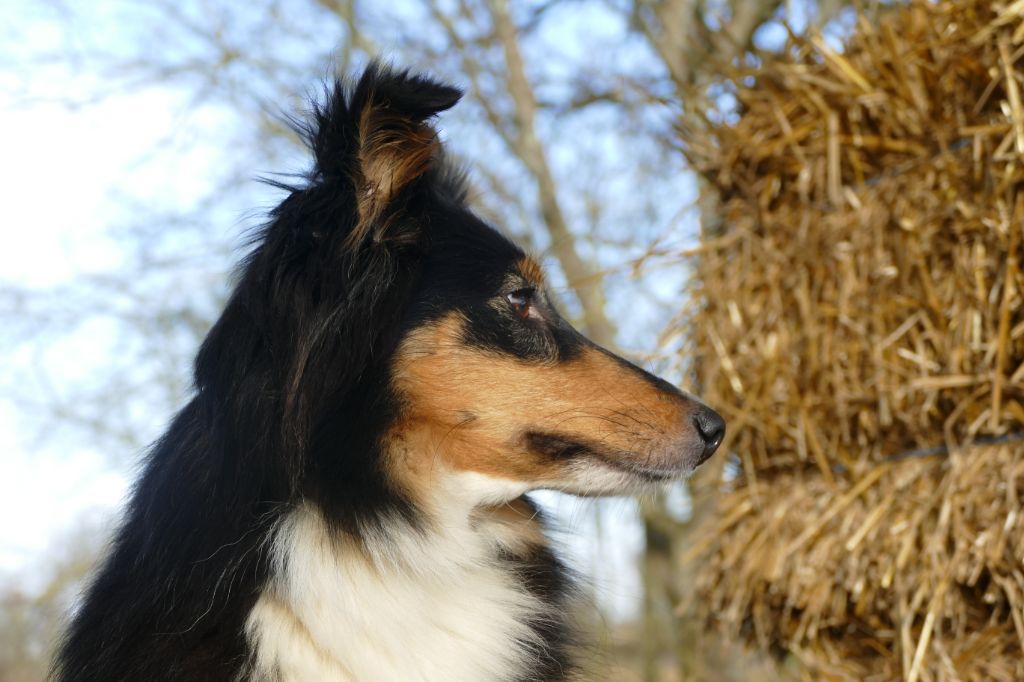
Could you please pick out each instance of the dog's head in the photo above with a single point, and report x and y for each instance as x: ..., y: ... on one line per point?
x: 405, y: 339
x: 493, y: 380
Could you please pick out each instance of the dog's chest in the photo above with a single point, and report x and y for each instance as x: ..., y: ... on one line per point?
x: 332, y: 615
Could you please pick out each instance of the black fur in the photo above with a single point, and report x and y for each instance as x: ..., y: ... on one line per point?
x: 291, y: 398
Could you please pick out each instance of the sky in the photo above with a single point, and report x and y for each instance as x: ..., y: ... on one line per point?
x: 61, y: 166
x: 65, y: 174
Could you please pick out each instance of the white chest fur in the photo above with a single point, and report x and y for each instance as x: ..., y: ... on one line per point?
x: 436, y: 606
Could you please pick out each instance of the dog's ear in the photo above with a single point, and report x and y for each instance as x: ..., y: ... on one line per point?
x: 380, y: 139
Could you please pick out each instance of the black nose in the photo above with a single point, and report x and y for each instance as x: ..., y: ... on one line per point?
x: 711, y: 428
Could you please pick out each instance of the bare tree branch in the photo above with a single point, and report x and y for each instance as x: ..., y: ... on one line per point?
x: 582, y: 275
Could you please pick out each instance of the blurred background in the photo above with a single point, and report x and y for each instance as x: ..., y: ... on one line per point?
x: 135, y: 134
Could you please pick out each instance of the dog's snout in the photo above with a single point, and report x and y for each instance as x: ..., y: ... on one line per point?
x: 711, y: 427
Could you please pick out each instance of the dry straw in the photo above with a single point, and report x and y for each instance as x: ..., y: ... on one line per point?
x: 861, y: 325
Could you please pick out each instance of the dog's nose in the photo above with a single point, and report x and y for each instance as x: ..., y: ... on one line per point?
x: 711, y: 427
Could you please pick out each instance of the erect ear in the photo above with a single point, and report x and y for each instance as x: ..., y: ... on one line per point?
x: 388, y: 141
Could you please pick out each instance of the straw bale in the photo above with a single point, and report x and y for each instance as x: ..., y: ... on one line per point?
x: 848, y: 577
x: 864, y: 301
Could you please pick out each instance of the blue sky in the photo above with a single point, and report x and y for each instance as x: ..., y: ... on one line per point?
x: 66, y: 174
x: 61, y: 166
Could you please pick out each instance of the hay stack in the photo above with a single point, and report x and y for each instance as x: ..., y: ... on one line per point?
x: 861, y: 325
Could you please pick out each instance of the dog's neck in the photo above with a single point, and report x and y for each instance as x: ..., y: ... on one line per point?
x: 447, y: 599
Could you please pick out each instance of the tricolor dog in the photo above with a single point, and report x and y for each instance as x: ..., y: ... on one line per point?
x: 344, y: 495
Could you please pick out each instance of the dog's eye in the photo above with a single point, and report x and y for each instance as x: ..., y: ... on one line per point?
x: 522, y: 302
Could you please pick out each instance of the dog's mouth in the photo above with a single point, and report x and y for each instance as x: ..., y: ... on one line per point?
x: 563, y: 448
x: 643, y: 473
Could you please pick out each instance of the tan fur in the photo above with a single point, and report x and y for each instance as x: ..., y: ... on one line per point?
x: 393, y: 152
x: 531, y: 271
x: 468, y: 409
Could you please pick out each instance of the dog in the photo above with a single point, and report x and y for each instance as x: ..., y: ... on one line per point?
x: 344, y: 495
